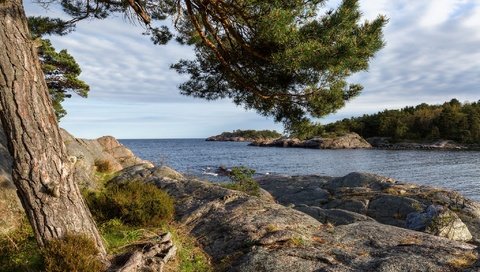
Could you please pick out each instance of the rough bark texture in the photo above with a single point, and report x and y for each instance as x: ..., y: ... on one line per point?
x: 41, y: 170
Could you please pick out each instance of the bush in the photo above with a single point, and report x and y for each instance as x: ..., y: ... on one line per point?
x: 103, y: 166
x: 72, y: 253
x: 135, y: 203
x: 242, y: 178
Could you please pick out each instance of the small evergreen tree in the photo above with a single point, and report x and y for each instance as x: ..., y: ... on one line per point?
x: 60, y: 68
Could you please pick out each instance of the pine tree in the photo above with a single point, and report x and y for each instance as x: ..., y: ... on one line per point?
x: 60, y: 68
x: 278, y: 57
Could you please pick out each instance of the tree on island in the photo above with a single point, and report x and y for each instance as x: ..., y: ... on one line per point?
x: 278, y: 57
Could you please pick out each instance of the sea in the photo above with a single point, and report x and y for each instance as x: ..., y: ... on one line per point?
x: 456, y: 170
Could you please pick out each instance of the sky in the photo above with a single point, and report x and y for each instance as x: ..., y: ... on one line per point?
x: 432, y: 55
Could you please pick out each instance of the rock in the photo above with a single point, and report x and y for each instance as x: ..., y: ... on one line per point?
x: 356, y: 179
x: 393, y: 210
x: 245, y: 233
x: 439, y: 221
x: 89, y: 153
x: 245, y: 136
x: 333, y: 216
x: 353, y: 205
x: 347, y: 141
x: 167, y: 172
x: 382, y: 199
x: 296, y: 190
x: 10, y: 206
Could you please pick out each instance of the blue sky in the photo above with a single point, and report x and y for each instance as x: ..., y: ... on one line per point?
x: 432, y: 55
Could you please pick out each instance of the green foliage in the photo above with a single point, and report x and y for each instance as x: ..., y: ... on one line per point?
x: 40, y: 26
x: 253, y: 134
x: 61, y: 74
x: 451, y: 120
x: 72, y: 253
x: 135, y: 203
x: 190, y: 256
x: 60, y: 68
x: 117, y: 236
x: 242, y: 178
x: 280, y: 58
x: 19, y: 250
x: 305, y: 130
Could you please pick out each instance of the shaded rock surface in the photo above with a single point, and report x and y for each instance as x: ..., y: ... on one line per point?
x: 349, y: 140
x: 379, y: 198
x: 245, y: 233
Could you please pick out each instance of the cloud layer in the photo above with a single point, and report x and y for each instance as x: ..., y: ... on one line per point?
x: 432, y: 55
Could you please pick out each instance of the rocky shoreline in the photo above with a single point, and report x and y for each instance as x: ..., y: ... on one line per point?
x: 359, y: 222
x: 347, y: 141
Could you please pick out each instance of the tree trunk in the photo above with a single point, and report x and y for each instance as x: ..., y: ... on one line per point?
x: 41, y: 170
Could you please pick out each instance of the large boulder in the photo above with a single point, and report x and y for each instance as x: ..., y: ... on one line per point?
x: 439, y: 221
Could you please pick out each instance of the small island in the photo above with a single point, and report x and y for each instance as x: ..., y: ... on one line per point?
x: 246, y: 136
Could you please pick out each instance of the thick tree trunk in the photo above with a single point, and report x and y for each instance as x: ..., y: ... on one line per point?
x: 41, y: 171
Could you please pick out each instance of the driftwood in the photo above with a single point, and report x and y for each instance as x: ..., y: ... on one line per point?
x: 149, y: 256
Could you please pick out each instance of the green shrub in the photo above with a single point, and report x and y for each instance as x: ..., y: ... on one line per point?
x: 76, y: 253
x: 135, y: 203
x: 242, y: 178
x: 19, y: 250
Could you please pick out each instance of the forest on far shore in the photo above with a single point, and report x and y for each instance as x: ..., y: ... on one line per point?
x: 452, y: 120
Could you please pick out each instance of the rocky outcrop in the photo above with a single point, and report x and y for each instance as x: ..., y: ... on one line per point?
x: 245, y: 136
x: 387, y: 143
x: 221, y: 138
x: 245, y: 233
x: 90, y: 154
x: 436, y: 211
x: 86, y: 154
x: 347, y: 141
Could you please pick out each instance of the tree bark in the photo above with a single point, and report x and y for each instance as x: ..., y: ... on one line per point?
x: 41, y: 170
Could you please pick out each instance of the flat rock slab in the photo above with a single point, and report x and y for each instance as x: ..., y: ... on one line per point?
x: 245, y: 233
x: 383, y: 199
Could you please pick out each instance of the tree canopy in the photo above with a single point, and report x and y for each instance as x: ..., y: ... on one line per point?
x: 281, y: 58
x: 452, y: 120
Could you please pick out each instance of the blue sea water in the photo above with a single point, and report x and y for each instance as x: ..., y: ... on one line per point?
x: 457, y: 170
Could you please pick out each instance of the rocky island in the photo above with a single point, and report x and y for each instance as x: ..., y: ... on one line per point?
x: 245, y: 136
x: 359, y: 222
x: 346, y: 141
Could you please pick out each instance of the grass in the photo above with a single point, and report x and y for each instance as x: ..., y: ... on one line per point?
x: 190, y: 256
x: 19, y: 250
x: 463, y: 261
